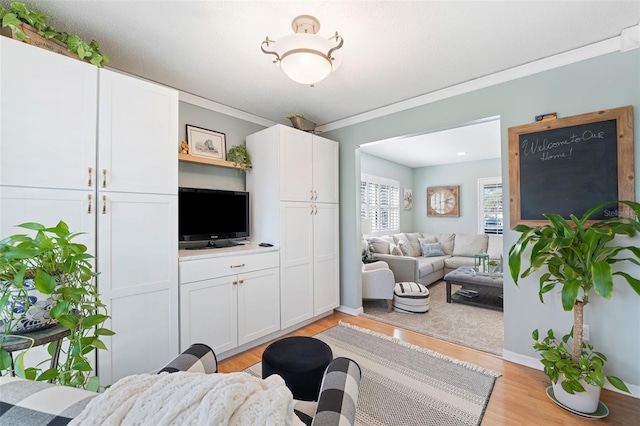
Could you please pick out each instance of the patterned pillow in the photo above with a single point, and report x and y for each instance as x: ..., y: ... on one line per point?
x: 405, y: 248
x: 431, y: 249
x: 395, y: 250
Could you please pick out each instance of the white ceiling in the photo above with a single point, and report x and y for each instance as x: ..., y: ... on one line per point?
x: 393, y: 50
x: 472, y: 142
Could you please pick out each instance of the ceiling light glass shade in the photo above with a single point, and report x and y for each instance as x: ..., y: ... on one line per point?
x: 304, y: 56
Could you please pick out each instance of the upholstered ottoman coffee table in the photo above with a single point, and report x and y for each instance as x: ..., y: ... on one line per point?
x: 410, y: 297
x: 484, y: 289
x: 300, y: 361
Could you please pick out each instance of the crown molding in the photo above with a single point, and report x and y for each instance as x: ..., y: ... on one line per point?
x: 223, y: 109
x: 587, y: 52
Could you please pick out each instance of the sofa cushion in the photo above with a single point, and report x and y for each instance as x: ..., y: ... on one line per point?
x: 394, y: 249
x: 456, y: 262
x: 380, y: 244
x: 494, y: 247
x: 446, y: 241
x: 414, y: 240
x: 403, y: 240
x: 469, y: 244
x: 428, y: 265
x: 431, y: 249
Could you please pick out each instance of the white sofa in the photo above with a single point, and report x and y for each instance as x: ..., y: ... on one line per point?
x: 409, y: 264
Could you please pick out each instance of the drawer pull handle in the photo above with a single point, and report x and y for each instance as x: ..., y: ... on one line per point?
x: 104, y: 204
x: 90, y: 183
x: 237, y: 266
x: 104, y: 178
x: 241, y: 282
x: 90, y: 203
x: 235, y: 283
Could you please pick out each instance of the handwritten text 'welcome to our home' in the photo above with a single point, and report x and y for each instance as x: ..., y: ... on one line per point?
x: 557, y: 150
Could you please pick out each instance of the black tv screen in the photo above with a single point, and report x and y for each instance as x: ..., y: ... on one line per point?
x: 212, y: 214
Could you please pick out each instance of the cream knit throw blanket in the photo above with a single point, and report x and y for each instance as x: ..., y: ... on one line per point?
x: 192, y: 399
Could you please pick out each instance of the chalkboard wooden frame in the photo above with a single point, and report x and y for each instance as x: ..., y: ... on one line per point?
x: 623, y: 117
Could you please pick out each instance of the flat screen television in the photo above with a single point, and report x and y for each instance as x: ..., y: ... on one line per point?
x: 212, y: 215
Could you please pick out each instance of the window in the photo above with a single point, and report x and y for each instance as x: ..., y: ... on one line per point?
x: 380, y: 199
x: 490, y: 205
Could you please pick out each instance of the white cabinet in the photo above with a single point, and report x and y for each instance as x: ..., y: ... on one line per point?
x: 294, y: 199
x: 98, y: 150
x: 228, y: 300
x: 48, y: 118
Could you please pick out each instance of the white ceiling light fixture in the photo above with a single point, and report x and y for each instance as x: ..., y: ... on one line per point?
x: 304, y: 56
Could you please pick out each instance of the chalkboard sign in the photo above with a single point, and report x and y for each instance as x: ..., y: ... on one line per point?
x: 567, y: 166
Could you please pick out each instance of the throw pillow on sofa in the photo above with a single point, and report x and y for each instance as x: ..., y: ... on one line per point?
x: 406, y: 248
x: 395, y: 250
x: 431, y: 249
x: 381, y: 244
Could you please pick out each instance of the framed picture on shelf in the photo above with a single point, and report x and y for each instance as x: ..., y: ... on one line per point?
x: 206, y: 143
x: 408, y: 199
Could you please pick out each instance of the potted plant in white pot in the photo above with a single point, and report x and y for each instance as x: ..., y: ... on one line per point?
x: 60, y: 269
x: 578, y: 258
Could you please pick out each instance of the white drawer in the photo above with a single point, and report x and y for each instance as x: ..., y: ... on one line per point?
x: 198, y: 270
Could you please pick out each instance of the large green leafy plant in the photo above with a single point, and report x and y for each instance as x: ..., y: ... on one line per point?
x: 18, y: 13
x: 61, y: 268
x: 578, y: 255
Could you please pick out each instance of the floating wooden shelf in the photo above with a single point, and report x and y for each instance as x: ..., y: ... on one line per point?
x: 204, y: 160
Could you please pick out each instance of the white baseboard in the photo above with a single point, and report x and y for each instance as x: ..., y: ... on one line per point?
x: 534, y: 363
x: 350, y: 311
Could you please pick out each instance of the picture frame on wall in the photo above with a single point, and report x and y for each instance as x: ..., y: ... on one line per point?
x: 408, y: 198
x: 206, y: 143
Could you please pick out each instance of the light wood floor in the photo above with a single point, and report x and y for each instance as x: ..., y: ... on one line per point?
x: 518, y: 397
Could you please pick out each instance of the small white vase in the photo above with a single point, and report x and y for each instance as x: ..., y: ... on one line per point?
x: 584, y: 402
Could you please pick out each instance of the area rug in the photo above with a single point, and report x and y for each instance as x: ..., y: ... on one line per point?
x: 465, y: 325
x: 403, y: 384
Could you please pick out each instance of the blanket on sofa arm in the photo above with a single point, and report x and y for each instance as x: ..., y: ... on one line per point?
x: 191, y: 398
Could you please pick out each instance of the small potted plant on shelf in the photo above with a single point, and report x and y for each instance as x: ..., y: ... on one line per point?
x: 60, y: 271
x: 300, y: 122
x: 33, y: 28
x: 239, y: 156
x: 578, y: 258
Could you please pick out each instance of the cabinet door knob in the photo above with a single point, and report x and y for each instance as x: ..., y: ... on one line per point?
x: 104, y: 178
x: 237, y: 266
x: 90, y: 183
x: 241, y: 282
x: 90, y: 203
x: 235, y: 283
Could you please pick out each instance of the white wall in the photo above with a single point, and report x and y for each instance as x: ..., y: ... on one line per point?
x: 464, y: 175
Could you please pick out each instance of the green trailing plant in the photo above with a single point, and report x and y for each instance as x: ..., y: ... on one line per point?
x: 18, y: 13
x: 239, y: 155
x: 578, y: 255
x: 61, y: 268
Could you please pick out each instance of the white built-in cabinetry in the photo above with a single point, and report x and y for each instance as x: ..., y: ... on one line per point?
x: 294, y: 205
x: 97, y: 149
x: 228, y: 297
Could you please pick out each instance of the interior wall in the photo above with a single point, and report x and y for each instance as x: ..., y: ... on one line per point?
x: 193, y: 175
x: 607, y: 81
x: 465, y: 175
x: 372, y: 165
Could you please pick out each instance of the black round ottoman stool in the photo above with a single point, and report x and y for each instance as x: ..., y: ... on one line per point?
x: 301, y: 362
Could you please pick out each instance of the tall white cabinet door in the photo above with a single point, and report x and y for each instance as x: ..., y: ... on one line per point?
x: 296, y: 263
x: 138, y: 281
x: 138, y: 135
x: 296, y: 161
x: 258, y: 304
x: 326, y: 288
x: 48, y: 129
x: 48, y: 207
x: 208, y: 312
x: 325, y: 170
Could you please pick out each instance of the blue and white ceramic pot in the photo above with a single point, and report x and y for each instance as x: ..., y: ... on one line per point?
x: 32, y: 315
